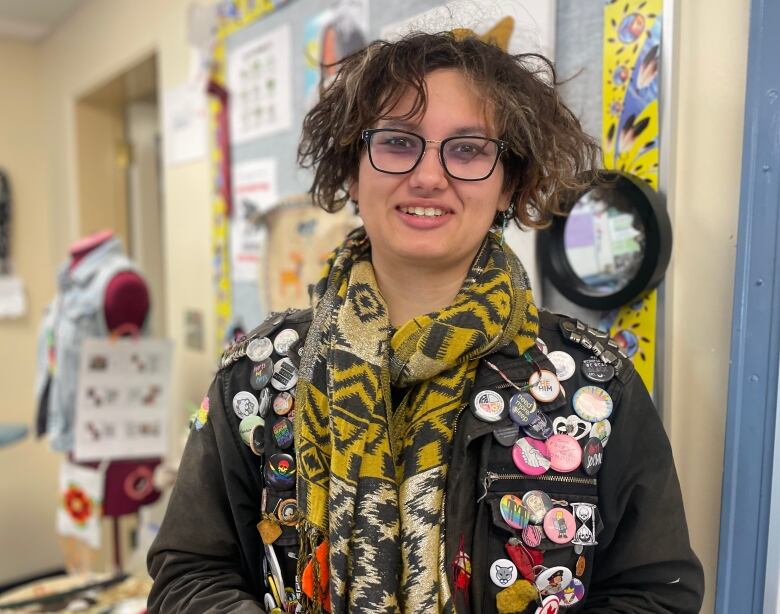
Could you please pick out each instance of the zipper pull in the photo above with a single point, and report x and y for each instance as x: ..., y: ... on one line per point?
x: 486, y: 482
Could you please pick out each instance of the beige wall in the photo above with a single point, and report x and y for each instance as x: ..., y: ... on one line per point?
x: 704, y: 202
x: 107, y: 36
x: 28, y: 471
x: 41, y: 85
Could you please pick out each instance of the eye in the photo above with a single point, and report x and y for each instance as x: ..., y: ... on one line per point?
x: 464, y: 150
x: 397, y: 142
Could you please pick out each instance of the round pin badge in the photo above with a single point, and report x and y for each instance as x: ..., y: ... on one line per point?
x: 257, y: 440
x: 592, y: 455
x: 601, y: 429
x: 503, y: 573
x: 507, y: 435
x: 280, y: 471
x: 262, y: 371
x: 559, y: 525
x: 550, y: 605
x: 283, y: 403
x: 287, y: 512
x: 553, y: 580
x: 532, y: 535
x: 284, y: 339
x: 545, y: 386
x: 531, y: 456
x: 513, y: 511
x: 488, y: 406
x: 265, y: 402
x: 538, y: 503
x: 573, y: 426
x: 572, y: 594
x: 245, y: 404
x: 597, y: 371
x: 282, y: 431
x: 259, y: 349
x: 285, y: 375
x: 592, y: 403
x: 247, y: 426
x: 521, y: 407
x: 565, y: 453
x: 563, y: 363
x: 541, y: 345
x: 539, y: 426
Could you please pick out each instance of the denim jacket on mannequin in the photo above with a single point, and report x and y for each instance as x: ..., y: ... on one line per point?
x: 77, y: 312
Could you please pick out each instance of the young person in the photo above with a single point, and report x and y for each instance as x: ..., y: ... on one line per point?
x: 424, y: 414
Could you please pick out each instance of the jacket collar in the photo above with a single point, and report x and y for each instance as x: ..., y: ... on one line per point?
x: 86, y: 269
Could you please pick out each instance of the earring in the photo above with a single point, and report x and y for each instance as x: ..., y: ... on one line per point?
x: 355, y: 207
x: 505, y: 216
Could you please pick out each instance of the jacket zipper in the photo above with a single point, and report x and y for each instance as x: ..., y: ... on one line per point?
x: 491, y: 477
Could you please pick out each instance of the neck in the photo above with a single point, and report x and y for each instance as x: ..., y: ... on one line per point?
x: 411, y: 291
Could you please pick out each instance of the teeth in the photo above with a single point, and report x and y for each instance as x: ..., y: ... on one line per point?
x: 423, y: 211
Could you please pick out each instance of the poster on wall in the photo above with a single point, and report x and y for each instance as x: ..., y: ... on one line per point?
x: 184, y: 124
x: 630, y: 138
x: 254, y: 192
x: 259, y: 79
x: 122, y: 399
x: 330, y: 36
x: 519, y: 26
x: 300, y: 239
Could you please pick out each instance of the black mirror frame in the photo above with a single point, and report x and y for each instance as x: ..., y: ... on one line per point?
x: 648, y: 206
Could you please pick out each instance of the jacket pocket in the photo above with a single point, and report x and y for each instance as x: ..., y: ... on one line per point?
x: 493, y: 534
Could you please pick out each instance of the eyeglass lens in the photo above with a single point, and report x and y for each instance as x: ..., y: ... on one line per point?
x: 464, y: 157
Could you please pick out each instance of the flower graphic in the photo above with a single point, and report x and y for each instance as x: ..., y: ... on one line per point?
x: 78, y: 504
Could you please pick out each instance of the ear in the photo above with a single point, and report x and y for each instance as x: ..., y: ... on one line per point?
x: 352, y: 190
x: 507, y: 196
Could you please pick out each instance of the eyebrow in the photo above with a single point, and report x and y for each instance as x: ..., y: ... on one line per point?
x: 475, y: 130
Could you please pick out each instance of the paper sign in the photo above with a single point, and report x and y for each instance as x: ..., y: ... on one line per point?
x: 260, y: 86
x: 13, y: 301
x: 122, y: 399
x: 254, y: 192
x: 184, y: 123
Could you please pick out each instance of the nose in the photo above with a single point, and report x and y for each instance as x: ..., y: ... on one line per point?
x: 429, y: 174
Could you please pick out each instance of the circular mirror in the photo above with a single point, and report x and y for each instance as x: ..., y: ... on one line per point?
x: 613, y: 245
x: 604, y: 240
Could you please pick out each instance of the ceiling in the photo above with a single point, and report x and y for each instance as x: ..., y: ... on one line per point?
x: 33, y: 20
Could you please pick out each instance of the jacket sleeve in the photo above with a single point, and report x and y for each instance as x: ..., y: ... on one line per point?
x: 196, y: 560
x: 643, y: 560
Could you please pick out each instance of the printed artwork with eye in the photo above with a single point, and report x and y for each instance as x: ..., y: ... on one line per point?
x: 102, y: 397
x: 98, y: 431
x: 144, y: 363
x: 146, y: 396
x: 142, y: 429
x: 98, y: 363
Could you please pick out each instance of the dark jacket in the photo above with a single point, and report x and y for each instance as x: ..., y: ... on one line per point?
x: 208, y: 556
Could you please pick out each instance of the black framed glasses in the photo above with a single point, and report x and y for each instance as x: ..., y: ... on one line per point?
x: 468, y: 158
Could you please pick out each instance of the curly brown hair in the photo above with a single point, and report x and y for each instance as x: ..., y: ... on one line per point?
x: 549, y: 153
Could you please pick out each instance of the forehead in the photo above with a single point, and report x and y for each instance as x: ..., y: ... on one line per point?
x: 450, y: 99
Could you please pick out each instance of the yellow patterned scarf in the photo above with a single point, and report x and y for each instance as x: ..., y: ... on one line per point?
x: 371, y: 475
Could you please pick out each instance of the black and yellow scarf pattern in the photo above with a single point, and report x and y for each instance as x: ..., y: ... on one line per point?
x: 371, y: 476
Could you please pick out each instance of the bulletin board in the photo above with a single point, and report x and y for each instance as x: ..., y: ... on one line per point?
x: 266, y: 73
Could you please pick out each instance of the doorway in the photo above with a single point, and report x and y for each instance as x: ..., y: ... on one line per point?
x: 119, y: 172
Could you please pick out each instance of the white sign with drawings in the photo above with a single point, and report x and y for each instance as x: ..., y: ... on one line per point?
x: 260, y: 85
x: 122, y: 399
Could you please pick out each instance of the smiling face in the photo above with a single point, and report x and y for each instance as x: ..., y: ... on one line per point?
x: 425, y: 217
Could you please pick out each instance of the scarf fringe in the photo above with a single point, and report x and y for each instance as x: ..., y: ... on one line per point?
x: 310, y: 538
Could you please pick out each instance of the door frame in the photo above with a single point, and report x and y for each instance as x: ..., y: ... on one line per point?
x: 755, y: 338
